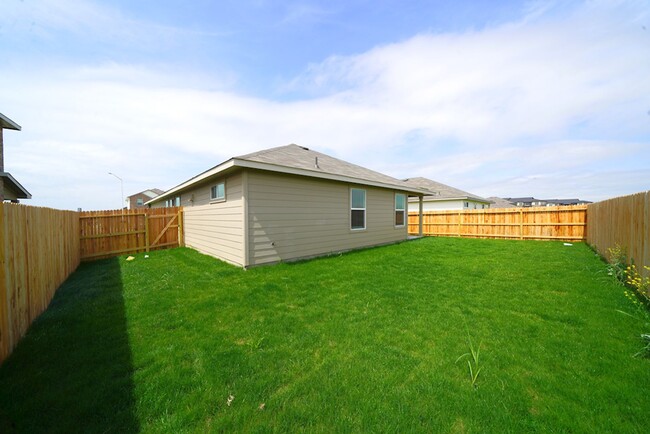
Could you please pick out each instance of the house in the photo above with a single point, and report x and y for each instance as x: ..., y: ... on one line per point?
x: 289, y: 203
x: 525, y: 201
x: 444, y: 197
x: 10, y: 188
x: 565, y: 202
x: 138, y: 200
x: 498, y: 202
x: 531, y: 201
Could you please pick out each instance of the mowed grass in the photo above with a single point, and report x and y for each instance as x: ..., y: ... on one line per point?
x: 360, y: 342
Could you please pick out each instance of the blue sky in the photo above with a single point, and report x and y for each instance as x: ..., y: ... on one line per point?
x: 545, y: 99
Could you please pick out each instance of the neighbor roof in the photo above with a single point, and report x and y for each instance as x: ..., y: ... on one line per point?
x: 500, y: 202
x: 151, y: 193
x: 442, y: 191
x: 7, y: 123
x: 298, y: 160
x: 10, y: 183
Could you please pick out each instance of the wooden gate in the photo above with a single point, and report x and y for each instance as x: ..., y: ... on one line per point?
x: 118, y: 232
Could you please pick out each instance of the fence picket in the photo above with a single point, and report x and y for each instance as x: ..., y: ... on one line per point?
x: 108, y: 233
x: 544, y: 223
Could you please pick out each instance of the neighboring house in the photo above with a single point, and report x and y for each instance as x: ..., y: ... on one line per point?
x: 289, y: 203
x: 498, y: 202
x: 561, y: 202
x: 444, y: 197
x: 10, y: 188
x: 531, y: 201
x: 138, y: 200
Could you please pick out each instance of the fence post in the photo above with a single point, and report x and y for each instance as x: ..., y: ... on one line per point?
x: 460, y: 220
x: 521, y: 223
x: 181, y: 238
x: 146, y: 232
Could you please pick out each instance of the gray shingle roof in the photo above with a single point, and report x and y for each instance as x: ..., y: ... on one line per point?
x: 299, y: 157
x: 298, y: 160
x: 442, y: 191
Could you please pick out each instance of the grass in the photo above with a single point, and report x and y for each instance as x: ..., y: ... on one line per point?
x: 366, y: 341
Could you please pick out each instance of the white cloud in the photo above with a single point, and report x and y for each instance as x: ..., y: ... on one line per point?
x: 538, y: 107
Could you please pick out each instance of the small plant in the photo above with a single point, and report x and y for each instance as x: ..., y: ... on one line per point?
x: 617, y: 262
x: 645, y: 351
x: 472, y: 361
x: 638, y: 290
x: 640, y: 284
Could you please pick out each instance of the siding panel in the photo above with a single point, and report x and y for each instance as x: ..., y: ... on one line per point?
x: 216, y: 229
x: 293, y: 217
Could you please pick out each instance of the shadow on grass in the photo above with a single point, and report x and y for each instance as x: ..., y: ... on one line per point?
x: 73, y: 370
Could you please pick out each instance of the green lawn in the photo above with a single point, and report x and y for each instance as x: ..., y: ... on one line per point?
x: 361, y: 342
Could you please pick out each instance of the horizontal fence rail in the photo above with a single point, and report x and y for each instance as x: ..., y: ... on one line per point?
x: 118, y: 232
x: 39, y: 249
x: 566, y: 223
x: 622, y: 221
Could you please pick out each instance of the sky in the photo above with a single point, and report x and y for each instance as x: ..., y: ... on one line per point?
x: 549, y: 99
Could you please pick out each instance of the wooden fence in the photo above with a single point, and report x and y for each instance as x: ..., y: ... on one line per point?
x: 39, y: 249
x: 623, y: 221
x: 565, y: 223
x: 116, y: 232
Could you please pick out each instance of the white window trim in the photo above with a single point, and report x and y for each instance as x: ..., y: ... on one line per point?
x: 364, y: 209
x: 218, y: 199
x: 400, y: 209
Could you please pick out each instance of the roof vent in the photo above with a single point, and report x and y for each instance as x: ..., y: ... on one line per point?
x: 316, y: 163
x: 302, y: 147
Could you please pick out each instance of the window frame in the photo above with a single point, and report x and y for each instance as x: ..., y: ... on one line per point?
x: 216, y: 188
x: 364, y: 209
x: 402, y: 210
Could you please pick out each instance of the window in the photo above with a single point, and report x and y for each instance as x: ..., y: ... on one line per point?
x: 218, y: 192
x: 173, y: 202
x: 357, y: 209
x: 139, y: 202
x: 400, y: 209
x: 465, y: 204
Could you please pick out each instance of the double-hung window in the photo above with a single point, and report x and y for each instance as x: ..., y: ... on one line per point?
x: 357, y: 209
x: 218, y: 191
x: 400, y: 209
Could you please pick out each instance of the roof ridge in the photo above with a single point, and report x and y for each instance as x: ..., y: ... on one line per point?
x: 267, y: 151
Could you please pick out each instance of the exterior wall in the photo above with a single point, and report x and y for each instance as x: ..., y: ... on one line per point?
x: 8, y: 194
x: 215, y: 228
x: 292, y: 217
x: 133, y: 201
x: 441, y: 205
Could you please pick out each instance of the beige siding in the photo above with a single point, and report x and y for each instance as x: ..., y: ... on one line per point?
x: 216, y: 229
x: 293, y: 217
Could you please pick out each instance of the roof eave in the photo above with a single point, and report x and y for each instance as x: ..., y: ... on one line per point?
x: 24, y: 194
x: 199, y: 178
x: 440, y: 199
x: 238, y: 162
x: 8, y: 124
x: 325, y: 175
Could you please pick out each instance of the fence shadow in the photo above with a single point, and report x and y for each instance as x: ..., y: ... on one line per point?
x: 73, y: 370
